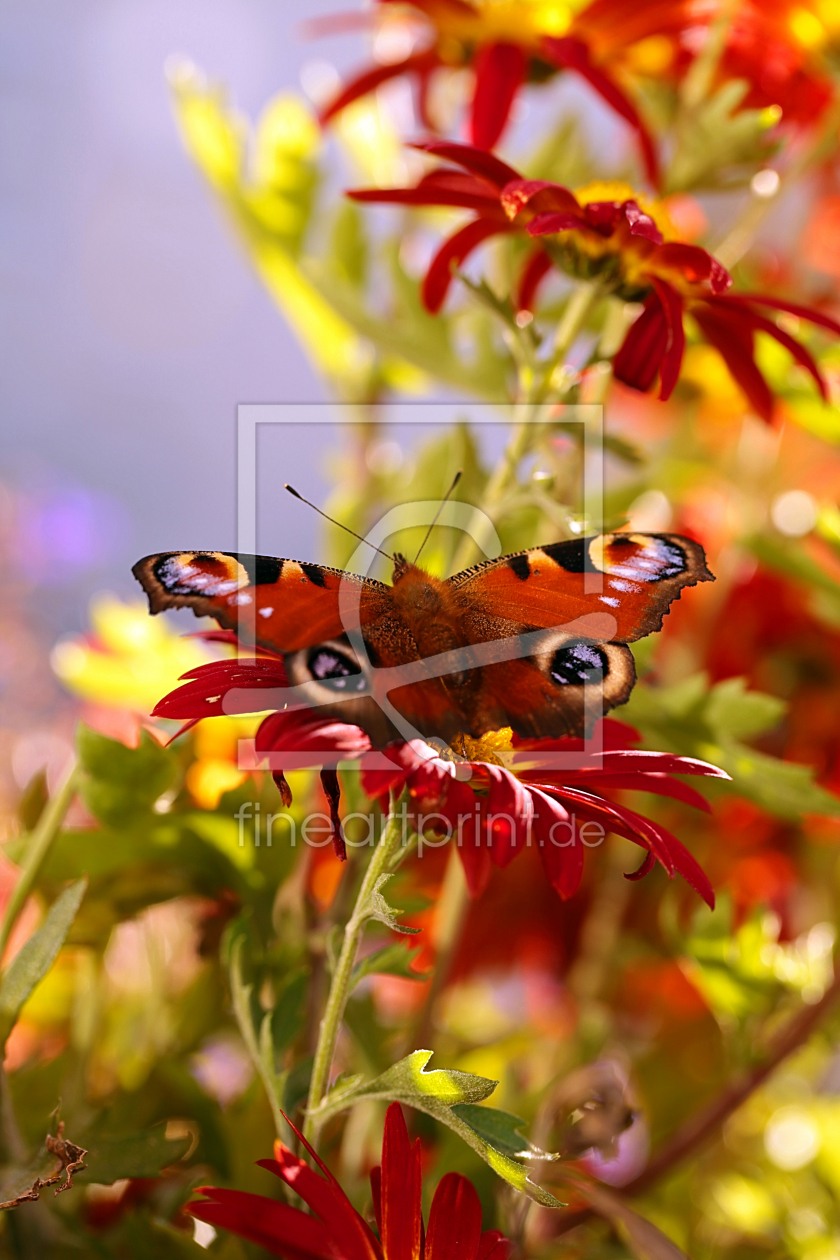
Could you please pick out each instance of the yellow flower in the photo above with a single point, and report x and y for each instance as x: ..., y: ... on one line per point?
x: 129, y: 660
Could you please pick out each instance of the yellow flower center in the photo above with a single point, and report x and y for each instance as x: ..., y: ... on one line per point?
x: 521, y: 22
x: 487, y: 748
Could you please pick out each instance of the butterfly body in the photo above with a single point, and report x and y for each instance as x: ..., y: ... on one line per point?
x: 535, y: 641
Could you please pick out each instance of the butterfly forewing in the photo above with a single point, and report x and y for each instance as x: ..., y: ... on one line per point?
x: 285, y: 605
x: 632, y: 578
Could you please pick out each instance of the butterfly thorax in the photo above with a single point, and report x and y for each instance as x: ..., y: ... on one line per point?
x: 426, y: 605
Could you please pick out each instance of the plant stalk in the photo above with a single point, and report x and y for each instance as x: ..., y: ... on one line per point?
x: 38, y: 846
x: 340, y: 986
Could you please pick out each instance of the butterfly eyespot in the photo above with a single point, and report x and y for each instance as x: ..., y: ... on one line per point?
x: 578, y: 663
x: 328, y: 665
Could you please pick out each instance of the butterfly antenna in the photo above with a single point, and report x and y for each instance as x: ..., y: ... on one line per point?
x: 459, y: 474
x: 333, y: 521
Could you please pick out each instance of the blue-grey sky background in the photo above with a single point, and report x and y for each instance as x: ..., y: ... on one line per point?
x: 132, y: 324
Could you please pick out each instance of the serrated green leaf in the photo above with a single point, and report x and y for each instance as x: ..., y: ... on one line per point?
x: 119, y: 782
x: 377, y: 908
x: 443, y: 1093
x: 34, y: 959
x: 391, y: 960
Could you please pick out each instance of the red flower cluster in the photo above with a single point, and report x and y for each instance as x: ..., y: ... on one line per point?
x: 613, y: 240
x: 336, y: 1231
x: 505, y: 45
x: 495, y: 803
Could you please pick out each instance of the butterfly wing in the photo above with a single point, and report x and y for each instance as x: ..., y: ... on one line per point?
x: 572, y: 607
x: 305, y: 612
x: 285, y: 604
x: 630, y: 579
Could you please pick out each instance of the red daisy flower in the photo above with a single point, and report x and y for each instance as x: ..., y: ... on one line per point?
x: 506, y: 43
x: 495, y: 796
x: 336, y: 1231
x: 608, y: 234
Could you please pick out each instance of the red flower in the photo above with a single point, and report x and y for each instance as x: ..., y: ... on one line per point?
x: 336, y: 1231
x: 605, y: 233
x: 505, y: 44
x: 501, y: 794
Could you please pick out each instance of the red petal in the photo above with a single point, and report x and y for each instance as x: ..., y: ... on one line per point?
x: 475, y: 854
x: 546, y: 223
x: 510, y: 810
x: 693, y: 263
x: 801, y: 354
x: 280, y: 1229
x: 792, y: 308
x: 401, y: 1190
x: 731, y: 336
x: 327, y: 1199
x: 499, y: 73
x: 672, y: 307
x: 295, y: 738
x: 439, y: 188
x: 624, y: 822
x: 204, y: 695
x: 421, y: 63
x: 376, y: 1194
x: 658, y: 784
x: 641, y: 224
x: 282, y: 787
x: 535, y: 269
x: 479, y: 161
x: 494, y: 1246
x: 561, y: 849
x: 569, y: 53
x: 454, y: 1221
x: 643, y: 349
x: 645, y: 869
x: 452, y: 253
x: 520, y: 193
x: 332, y: 791
x: 390, y: 767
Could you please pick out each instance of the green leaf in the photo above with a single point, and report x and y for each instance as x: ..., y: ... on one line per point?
x: 499, y: 1129
x: 377, y: 908
x: 260, y: 1044
x: 112, y: 1157
x: 740, y: 713
x: 451, y: 1096
x: 37, y: 955
x: 122, y: 782
x: 711, y: 722
x: 33, y: 800
x: 391, y: 960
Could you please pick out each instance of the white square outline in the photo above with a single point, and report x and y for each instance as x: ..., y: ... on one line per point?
x: 590, y: 415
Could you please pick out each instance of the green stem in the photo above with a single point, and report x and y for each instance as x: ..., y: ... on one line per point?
x: 574, y: 317
x: 453, y: 904
x: 38, y: 846
x: 330, y: 1027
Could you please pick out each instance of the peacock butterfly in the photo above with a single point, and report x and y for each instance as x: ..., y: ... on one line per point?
x: 536, y: 640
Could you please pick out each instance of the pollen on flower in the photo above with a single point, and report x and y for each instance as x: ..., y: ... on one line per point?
x: 487, y: 748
